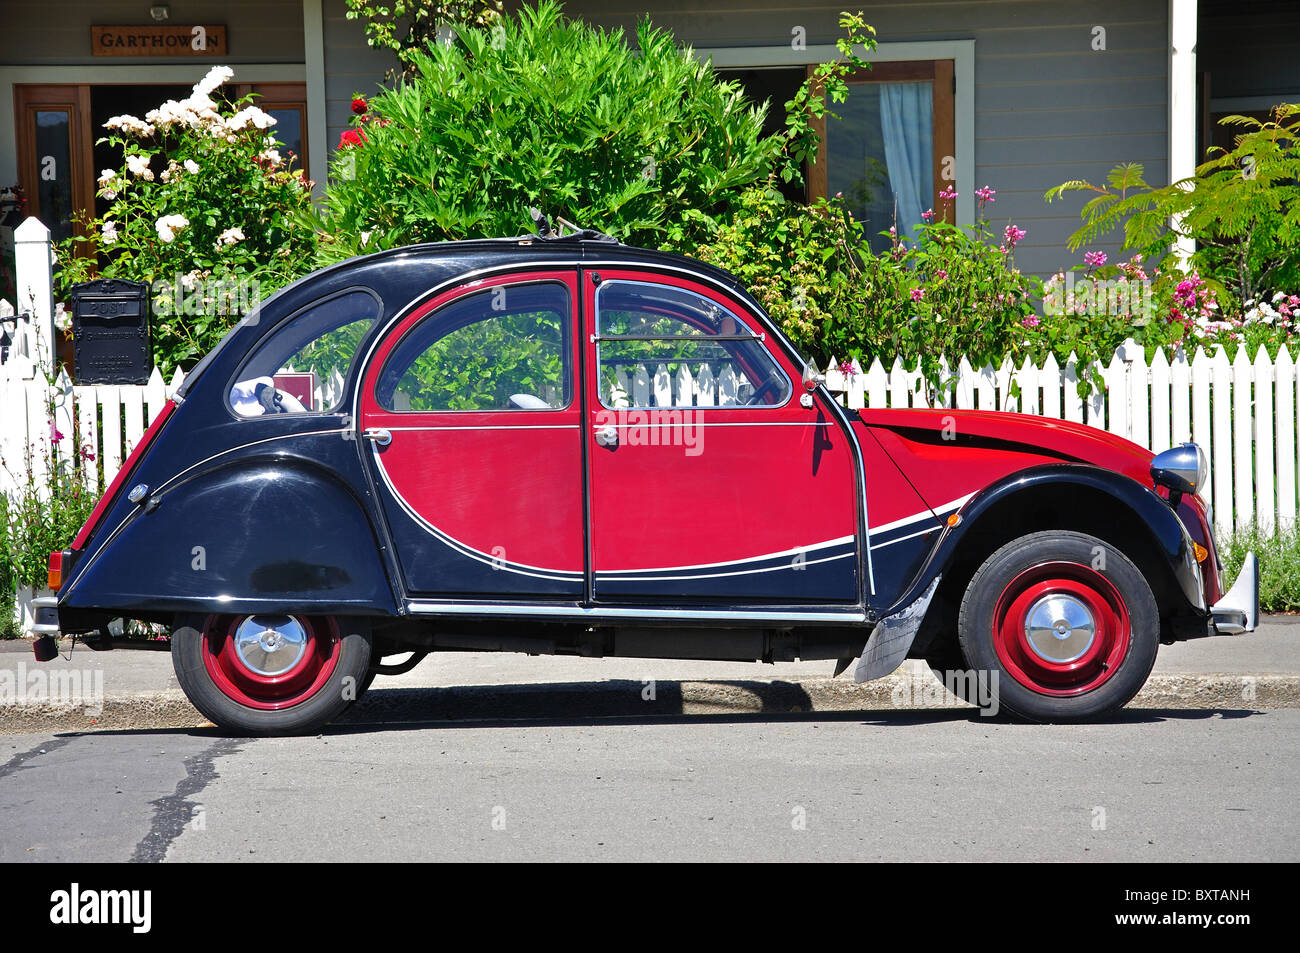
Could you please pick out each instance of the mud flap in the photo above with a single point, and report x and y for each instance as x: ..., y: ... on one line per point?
x: 892, y: 638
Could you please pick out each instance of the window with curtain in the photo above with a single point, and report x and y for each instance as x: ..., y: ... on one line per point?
x: 885, y: 153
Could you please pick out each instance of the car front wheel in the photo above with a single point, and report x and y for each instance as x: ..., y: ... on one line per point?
x: 270, y: 674
x: 1065, y: 621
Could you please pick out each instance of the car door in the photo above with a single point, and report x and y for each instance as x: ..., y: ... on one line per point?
x: 712, y: 477
x: 470, y: 423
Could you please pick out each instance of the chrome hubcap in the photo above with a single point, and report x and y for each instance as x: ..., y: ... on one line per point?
x: 1059, y: 628
x: 270, y: 645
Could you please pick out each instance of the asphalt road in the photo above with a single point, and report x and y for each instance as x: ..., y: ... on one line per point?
x: 890, y: 785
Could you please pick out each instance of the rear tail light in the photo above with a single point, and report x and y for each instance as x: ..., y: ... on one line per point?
x: 1201, y: 551
x: 55, y: 575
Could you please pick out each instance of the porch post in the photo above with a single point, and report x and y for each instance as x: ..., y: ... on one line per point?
x: 34, y: 288
x: 1182, y: 98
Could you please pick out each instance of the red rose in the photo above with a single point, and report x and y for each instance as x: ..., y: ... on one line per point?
x: 359, y: 105
x: 351, y: 137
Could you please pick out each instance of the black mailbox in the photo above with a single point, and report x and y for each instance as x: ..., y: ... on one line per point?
x: 110, y: 332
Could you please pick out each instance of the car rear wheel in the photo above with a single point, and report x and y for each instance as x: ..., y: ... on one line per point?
x: 1067, y: 623
x: 270, y: 674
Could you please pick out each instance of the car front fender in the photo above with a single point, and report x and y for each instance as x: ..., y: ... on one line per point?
x: 1162, y: 534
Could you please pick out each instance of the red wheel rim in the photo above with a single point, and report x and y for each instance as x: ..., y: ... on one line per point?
x: 1061, y: 629
x: 246, y: 676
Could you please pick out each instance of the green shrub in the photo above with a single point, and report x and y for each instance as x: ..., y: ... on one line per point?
x: 38, y: 518
x: 1279, y: 565
x: 204, y: 209
x: 540, y: 111
x: 1242, y: 208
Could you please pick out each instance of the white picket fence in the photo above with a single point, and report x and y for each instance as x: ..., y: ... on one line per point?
x: 1242, y: 413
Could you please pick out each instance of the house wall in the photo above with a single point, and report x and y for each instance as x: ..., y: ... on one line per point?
x: 350, y: 66
x: 1047, y: 106
x: 57, y: 32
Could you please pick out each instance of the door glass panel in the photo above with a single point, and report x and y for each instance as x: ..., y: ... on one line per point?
x: 506, y: 348
x: 54, y: 170
x: 699, y: 352
x: 880, y: 155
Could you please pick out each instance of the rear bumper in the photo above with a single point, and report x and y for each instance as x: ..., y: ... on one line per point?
x: 45, y: 616
x: 1238, y: 611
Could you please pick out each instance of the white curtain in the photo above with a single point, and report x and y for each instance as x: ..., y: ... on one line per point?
x: 907, y: 122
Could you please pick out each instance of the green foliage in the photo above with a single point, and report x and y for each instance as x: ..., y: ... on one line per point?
x: 40, y: 517
x: 1242, y: 208
x: 205, y: 210
x: 547, y: 112
x: 953, y: 291
x: 802, y: 263
x: 1279, y: 565
x: 828, y: 82
x: 404, y: 26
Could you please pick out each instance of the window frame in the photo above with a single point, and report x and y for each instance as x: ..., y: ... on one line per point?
x: 960, y: 52
x: 759, y: 339
x: 567, y: 346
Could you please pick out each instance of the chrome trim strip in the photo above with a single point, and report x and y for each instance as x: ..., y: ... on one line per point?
x: 618, y: 612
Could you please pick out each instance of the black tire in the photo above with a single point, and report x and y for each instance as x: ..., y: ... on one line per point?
x: 1001, y: 628
x: 327, y: 700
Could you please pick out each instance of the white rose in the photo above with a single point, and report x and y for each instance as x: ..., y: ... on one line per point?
x: 169, y: 225
x: 109, y: 234
x: 138, y: 164
x: 191, y: 166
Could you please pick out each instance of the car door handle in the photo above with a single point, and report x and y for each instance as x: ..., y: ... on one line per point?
x: 379, y: 435
x: 607, y: 436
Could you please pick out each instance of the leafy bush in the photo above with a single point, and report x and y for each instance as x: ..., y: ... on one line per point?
x: 205, y: 209
x: 1279, y: 565
x: 548, y: 112
x: 954, y: 291
x: 1242, y: 208
x: 38, y: 518
x: 403, y: 26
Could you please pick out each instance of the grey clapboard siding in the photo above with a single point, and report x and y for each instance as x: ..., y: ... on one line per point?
x: 351, y: 66
x: 46, y: 33
x: 1047, y: 107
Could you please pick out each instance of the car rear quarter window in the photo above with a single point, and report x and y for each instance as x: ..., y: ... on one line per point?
x: 304, y: 364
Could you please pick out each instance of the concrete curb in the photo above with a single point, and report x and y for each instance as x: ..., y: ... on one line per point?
x: 633, y: 698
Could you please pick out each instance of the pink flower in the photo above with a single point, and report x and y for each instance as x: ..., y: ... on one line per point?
x: 941, y: 274
x: 948, y: 195
x: 918, y: 294
x: 55, y: 436
x: 1095, y: 258
x: 1013, y: 235
x: 1032, y: 321
x: 985, y: 194
x: 846, y: 368
x: 928, y: 215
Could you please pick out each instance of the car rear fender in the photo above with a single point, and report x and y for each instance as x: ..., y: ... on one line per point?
x: 254, y: 534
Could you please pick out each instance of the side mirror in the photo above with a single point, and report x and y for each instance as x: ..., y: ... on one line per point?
x: 812, y: 378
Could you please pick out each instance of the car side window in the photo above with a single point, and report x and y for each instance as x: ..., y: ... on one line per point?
x: 301, y: 367
x: 504, y: 348
x: 663, y: 346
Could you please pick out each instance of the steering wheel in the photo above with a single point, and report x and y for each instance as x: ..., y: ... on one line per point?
x: 761, y: 393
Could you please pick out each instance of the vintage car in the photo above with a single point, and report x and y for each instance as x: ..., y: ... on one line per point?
x: 554, y: 444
